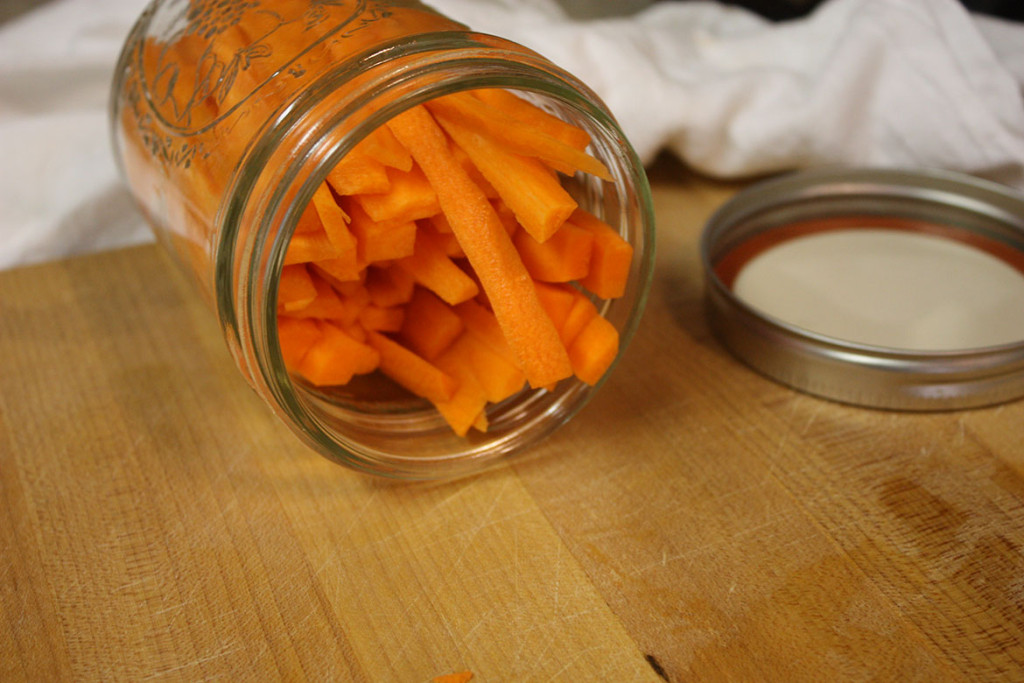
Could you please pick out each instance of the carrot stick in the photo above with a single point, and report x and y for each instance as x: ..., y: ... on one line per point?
x: 382, y: 319
x: 594, y: 349
x: 564, y: 257
x: 430, y: 324
x: 610, y: 260
x: 336, y: 357
x: 490, y: 251
x: 534, y: 116
x: 358, y: 173
x: 410, y: 198
x: 411, y: 371
x: 390, y: 286
x: 307, y: 247
x: 295, y: 289
x: 335, y: 222
x: 466, y: 406
x: 527, y: 187
x: 326, y: 303
x: 431, y: 267
x: 482, y: 324
x: 558, y: 301
x: 382, y: 145
x: 296, y: 336
x: 583, y: 309
x: 497, y: 376
x: 380, y: 240
x: 519, y: 138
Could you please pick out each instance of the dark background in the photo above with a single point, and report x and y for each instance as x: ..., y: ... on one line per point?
x: 790, y: 9
x: 773, y: 9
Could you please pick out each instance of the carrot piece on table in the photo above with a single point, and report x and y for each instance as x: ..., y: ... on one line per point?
x: 430, y: 324
x: 531, y: 114
x: 296, y: 336
x: 410, y: 198
x: 295, y: 288
x: 431, y: 267
x: 416, y: 374
x: 358, y: 173
x: 490, y: 251
x: 515, y: 135
x: 610, y: 260
x: 564, y: 257
x: 380, y: 240
x: 594, y: 349
x: 527, y: 187
x: 336, y: 357
x: 467, y: 405
x: 390, y: 286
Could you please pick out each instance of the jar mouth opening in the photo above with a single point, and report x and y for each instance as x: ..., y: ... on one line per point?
x: 394, y: 434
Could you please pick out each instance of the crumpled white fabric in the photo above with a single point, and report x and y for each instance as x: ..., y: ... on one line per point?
x: 907, y: 83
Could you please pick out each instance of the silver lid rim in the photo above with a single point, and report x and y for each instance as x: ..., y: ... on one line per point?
x: 850, y: 372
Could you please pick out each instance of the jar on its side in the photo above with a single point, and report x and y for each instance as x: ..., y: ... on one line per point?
x: 227, y: 116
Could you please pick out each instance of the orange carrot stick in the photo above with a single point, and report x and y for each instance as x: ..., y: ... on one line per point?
x: 382, y: 319
x: 358, y: 173
x: 497, y: 376
x: 466, y: 406
x: 610, y: 260
x: 564, y: 257
x: 336, y: 357
x: 295, y: 289
x: 430, y: 324
x: 411, y: 371
x: 519, y: 138
x: 410, y: 198
x: 534, y: 195
x: 380, y: 240
x: 296, y: 336
x: 531, y: 114
x: 431, y: 267
x: 594, y: 349
x: 583, y: 309
x: 307, y: 247
x: 390, y: 286
x: 489, y: 249
x: 382, y: 145
x: 335, y: 222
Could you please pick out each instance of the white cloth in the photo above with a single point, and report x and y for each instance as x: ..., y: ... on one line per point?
x: 910, y: 83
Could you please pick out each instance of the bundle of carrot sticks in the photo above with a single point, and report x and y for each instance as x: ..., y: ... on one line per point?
x: 443, y: 252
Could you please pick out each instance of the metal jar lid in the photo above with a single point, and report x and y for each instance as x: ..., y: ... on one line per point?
x: 964, y: 208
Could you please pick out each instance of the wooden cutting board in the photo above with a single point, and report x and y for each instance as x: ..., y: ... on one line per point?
x: 695, y: 522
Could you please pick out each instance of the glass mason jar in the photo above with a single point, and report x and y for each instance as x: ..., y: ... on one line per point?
x: 227, y: 115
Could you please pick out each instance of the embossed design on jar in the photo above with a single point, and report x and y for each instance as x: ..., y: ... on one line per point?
x: 188, y: 96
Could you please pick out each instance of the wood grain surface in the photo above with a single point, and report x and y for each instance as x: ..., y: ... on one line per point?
x: 695, y: 522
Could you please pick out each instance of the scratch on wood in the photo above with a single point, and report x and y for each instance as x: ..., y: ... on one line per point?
x: 656, y: 665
